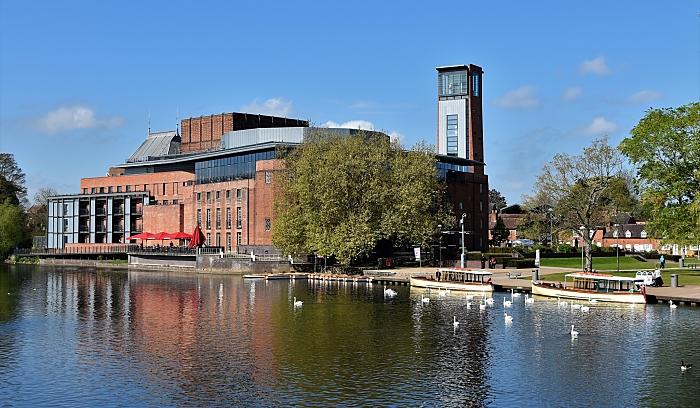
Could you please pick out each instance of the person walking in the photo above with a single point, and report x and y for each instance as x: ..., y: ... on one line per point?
x: 662, y: 262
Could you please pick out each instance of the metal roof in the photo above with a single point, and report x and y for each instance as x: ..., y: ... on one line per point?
x: 157, y: 144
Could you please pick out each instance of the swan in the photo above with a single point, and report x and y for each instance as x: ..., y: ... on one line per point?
x: 442, y: 292
x: 507, y: 303
x: 574, y: 333
x: 513, y: 293
x: 389, y: 292
x: 298, y: 303
x: 509, y: 319
x: 424, y: 300
x: 469, y: 305
x: 585, y: 308
x: 529, y: 299
x: 672, y: 305
x: 455, y: 323
x: 482, y: 306
x: 489, y: 300
x: 575, y: 306
x: 560, y: 303
x: 685, y: 367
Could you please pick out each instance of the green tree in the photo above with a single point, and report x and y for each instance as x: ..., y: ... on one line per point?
x: 496, y: 199
x: 10, y: 171
x: 12, y: 232
x: 500, y: 232
x: 341, y: 195
x: 582, y: 191
x: 665, y: 149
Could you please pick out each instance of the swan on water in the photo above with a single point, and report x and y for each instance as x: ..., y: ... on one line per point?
x: 507, y: 303
x: 529, y: 299
x: 585, y: 308
x: 560, y: 303
x: 574, y: 333
x: 389, y: 292
x: 455, y: 323
x: 672, y: 305
x: 424, y: 299
x: 298, y: 303
x: 685, y: 367
x: 489, y: 300
x: 513, y: 293
x: 509, y: 319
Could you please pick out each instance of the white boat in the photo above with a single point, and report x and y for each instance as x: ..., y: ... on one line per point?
x: 593, y: 287
x: 465, y: 280
x: 254, y: 276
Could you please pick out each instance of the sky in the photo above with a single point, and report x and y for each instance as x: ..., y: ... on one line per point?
x: 80, y: 81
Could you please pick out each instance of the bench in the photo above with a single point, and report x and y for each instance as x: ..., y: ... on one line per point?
x: 514, y: 274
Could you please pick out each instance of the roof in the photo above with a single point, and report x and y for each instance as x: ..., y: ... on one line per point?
x: 634, y: 229
x: 157, y: 144
x: 448, y: 68
x: 511, y: 221
x: 598, y: 276
x: 473, y: 272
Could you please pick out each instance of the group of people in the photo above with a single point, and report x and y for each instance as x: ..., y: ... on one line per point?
x: 492, y: 262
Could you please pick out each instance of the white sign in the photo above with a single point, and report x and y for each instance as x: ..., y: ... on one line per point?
x: 537, y: 258
x: 417, y: 252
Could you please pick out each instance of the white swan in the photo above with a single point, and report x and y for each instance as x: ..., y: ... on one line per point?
x: 672, y: 305
x: 442, y: 292
x: 513, y: 293
x: 574, y: 333
x: 469, y: 305
x: 455, y: 323
x: 507, y: 303
x: 509, y: 319
x: 424, y: 300
x: 560, y: 303
x: 482, y: 306
x: 489, y: 300
x: 389, y: 292
x: 575, y: 306
x: 529, y: 299
x: 685, y: 367
x: 298, y: 303
x: 585, y: 308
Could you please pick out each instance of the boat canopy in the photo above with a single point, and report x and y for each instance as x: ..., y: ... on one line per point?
x: 598, y: 276
x: 460, y: 270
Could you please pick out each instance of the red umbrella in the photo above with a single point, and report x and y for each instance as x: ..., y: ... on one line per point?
x: 161, y: 236
x: 197, y: 238
x: 142, y: 236
x: 180, y: 235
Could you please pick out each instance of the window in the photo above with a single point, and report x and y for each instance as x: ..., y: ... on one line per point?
x: 208, y: 239
x: 476, y: 83
x: 119, y: 189
x: 165, y: 202
x: 228, y: 218
x: 268, y: 224
x: 228, y: 194
x: 239, y: 238
x: 208, y: 218
x: 102, y: 189
x: 218, y: 218
x: 218, y: 195
x: 199, y: 217
x: 199, y: 196
x: 452, y: 83
x: 65, y: 239
x: 239, y: 195
x: 208, y: 196
x: 218, y: 239
x: 85, y: 191
x: 268, y: 177
x: 228, y: 241
x: 128, y: 188
x: 65, y: 225
x: 452, y: 138
x: 628, y: 234
x: 239, y: 217
x: 109, y: 189
x: 164, y: 193
x: 65, y: 209
x: 145, y: 187
x: 643, y: 234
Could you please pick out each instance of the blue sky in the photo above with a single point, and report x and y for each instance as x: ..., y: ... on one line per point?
x: 78, y: 80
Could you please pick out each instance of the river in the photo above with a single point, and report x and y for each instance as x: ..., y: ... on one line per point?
x: 85, y: 337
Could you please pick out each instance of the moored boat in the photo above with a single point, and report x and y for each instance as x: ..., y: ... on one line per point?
x: 254, y: 276
x: 459, y: 279
x: 593, y: 286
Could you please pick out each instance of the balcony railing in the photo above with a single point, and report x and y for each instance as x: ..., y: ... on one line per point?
x: 100, y: 211
x: 82, y: 249
x: 84, y: 212
x: 118, y: 211
x: 83, y: 228
x: 100, y: 228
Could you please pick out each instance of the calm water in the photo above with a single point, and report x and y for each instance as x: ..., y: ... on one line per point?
x: 73, y: 336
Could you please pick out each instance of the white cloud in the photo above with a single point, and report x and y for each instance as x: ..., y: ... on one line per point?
x: 396, y: 136
x: 572, y: 93
x: 645, y: 96
x: 520, y: 98
x: 272, y: 107
x: 595, y: 66
x: 600, y: 126
x: 352, y: 124
x: 67, y: 118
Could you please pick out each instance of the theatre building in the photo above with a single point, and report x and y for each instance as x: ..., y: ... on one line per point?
x: 219, y: 173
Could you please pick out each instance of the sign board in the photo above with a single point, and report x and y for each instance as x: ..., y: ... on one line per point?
x: 537, y: 258
x: 416, y: 251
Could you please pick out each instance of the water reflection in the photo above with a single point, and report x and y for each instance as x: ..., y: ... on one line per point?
x: 86, y: 337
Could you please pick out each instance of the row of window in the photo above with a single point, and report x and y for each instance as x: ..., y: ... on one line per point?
x: 239, y: 240
x: 239, y: 218
x: 228, y: 194
x: 159, y: 188
x: 455, y: 83
x: 230, y: 168
x: 628, y: 234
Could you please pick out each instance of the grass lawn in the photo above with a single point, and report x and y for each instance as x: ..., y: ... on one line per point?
x: 601, y: 264
x: 685, y: 276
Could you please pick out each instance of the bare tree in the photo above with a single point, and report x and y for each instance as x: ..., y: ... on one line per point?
x: 583, y: 190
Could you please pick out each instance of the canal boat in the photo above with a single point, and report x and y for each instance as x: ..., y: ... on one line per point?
x: 458, y: 279
x: 593, y: 287
x: 254, y: 276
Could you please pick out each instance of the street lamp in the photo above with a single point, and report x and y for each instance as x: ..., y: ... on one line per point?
x: 440, y: 228
x: 461, y: 222
x: 617, y: 246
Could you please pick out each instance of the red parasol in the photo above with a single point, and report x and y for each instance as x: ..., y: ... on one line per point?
x: 197, y: 238
x: 142, y: 236
x: 161, y: 236
x: 180, y: 235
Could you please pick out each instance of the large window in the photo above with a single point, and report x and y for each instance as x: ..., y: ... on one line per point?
x: 239, y: 217
x: 230, y: 168
x: 476, y: 83
x: 199, y: 217
x: 268, y: 224
x: 453, y: 83
x: 452, y: 132
x: 208, y: 218
x: 228, y: 241
x: 228, y: 218
x: 239, y: 238
x: 218, y: 218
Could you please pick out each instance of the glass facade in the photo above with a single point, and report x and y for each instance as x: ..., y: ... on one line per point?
x: 444, y: 168
x: 230, y: 168
x: 476, y: 79
x: 452, y: 138
x: 453, y: 83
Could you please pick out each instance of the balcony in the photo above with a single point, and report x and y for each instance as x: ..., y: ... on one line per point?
x: 136, y: 210
x: 84, y: 228
x: 101, y: 228
x: 84, y: 212
x: 117, y: 228
x: 118, y: 211
x: 101, y: 211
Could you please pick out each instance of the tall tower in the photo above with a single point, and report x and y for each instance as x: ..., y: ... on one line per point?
x: 460, y: 126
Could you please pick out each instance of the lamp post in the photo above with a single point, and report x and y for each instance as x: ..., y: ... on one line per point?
x: 461, y: 222
x: 583, y: 243
x: 617, y: 246
x: 440, y: 249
